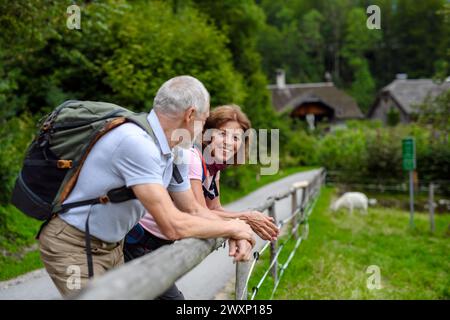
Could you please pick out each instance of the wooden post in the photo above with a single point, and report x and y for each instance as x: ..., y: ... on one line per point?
x: 242, y: 269
x: 306, y: 194
x: 294, y: 211
x: 323, y: 182
x: 431, y: 205
x: 303, y: 203
x: 273, y: 244
x: 411, y: 199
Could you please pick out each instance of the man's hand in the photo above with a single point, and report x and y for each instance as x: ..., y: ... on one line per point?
x: 241, y: 250
x: 263, y: 225
x: 241, y: 230
x: 176, y: 224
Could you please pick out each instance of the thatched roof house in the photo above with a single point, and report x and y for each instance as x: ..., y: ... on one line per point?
x: 323, y: 100
x: 402, y: 96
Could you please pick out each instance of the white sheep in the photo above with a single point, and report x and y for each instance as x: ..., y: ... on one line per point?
x: 352, y: 200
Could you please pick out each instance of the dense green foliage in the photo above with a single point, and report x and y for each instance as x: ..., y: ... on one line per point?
x: 122, y: 53
x: 365, y: 153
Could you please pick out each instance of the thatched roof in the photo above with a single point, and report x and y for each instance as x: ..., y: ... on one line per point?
x: 292, y: 95
x: 408, y: 93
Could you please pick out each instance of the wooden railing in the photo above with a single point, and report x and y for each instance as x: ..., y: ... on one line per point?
x: 303, y: 196
x: 151, y: 275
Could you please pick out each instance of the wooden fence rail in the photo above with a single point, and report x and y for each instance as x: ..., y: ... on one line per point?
x: 151, y: 275
x: 300, y: 210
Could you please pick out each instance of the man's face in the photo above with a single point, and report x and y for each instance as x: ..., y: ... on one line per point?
x: 192, y: 127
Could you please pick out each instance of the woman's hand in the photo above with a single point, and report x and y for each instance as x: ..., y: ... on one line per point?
x: 261, y: 224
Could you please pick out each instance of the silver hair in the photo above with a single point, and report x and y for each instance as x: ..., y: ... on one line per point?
x: 180, y: 93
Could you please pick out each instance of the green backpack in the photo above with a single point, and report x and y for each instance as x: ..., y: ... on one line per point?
x: 55, y: 157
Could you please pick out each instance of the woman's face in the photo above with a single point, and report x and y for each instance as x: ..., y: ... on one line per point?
x: 226, y: 141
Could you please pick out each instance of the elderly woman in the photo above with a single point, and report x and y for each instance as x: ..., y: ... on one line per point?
x: 224, y: 139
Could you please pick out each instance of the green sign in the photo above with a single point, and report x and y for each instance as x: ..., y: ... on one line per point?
x: 409, y: 154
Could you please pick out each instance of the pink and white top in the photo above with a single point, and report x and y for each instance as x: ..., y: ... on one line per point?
x: 196, y: 170
x: 196, y: 173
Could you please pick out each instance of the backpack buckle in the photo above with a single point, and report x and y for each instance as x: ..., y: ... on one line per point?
x: 64, y: 164
x: 46, y: 126
x: 104, y: 199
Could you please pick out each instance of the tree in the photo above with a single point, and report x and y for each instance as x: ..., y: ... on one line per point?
x: 26, y: 27
x: 362, y: 86
x: 435, y: 112
x: 240, y: 21
x: 122, y: 54
x: 335, y: 13
x: 359, y: 41
x: 313, y: 44
x: 422, y: 36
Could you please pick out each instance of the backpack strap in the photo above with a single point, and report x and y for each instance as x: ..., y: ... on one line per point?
x: 204, y: 169
x: 213, y: 187
x: 140, y: 119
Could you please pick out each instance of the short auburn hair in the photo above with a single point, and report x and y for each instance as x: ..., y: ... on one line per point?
x: 223, y: 114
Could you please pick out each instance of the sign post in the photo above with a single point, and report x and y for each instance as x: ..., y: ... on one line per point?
x: 409, y: 164
x: 431, y: 205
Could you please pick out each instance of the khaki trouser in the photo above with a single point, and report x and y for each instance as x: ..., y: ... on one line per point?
x: 63, y: 251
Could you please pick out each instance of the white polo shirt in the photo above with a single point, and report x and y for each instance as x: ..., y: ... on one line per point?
x: 126, y: 155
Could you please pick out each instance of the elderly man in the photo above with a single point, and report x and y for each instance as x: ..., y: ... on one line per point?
x: 127, y: 155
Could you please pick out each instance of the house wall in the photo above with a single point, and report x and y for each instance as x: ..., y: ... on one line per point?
x: 384, y: 104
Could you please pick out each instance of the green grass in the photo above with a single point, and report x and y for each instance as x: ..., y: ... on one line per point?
x: 332, y: 262
x: 17, y: 232
x: 228, y: 194
x: 12, y: 267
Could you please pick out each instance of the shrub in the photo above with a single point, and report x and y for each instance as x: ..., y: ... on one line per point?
x: 371, y: 153
x: 15, y: 135
x: 344, y: 150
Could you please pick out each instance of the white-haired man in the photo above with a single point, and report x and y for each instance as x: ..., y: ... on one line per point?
x: 127, y: 155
